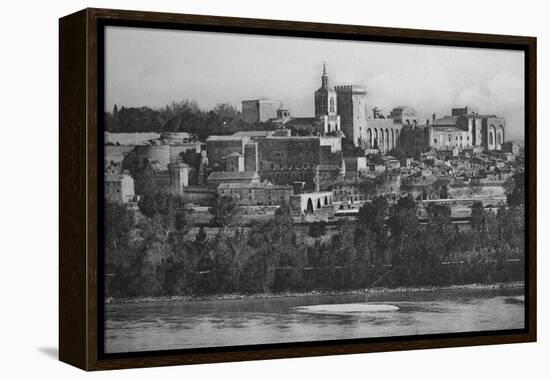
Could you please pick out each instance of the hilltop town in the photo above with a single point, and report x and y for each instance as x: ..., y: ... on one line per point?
x: 259, y: 201
x: 323, y: 167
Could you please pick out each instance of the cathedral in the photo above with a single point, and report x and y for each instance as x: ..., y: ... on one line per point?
x: 342, y: 110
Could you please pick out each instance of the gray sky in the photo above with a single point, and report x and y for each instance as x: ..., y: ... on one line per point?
x: 148, y: 67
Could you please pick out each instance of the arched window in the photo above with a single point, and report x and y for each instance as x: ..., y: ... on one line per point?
x: 369, y: 138
x: 309, y: 206
x: 500, y: 135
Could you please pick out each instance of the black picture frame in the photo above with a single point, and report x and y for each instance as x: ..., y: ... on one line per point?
x: 81, y: 75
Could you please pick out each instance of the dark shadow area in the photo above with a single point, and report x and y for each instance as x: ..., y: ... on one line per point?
x: 50, y: 351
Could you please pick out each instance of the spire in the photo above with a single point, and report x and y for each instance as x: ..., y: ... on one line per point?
x: 324, y: 77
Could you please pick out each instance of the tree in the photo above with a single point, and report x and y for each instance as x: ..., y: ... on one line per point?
x: 118, y: 226
x: 151, y: 204
x: 166, y: 218
x: 226, y: 111
x: 344, y: 254
x: 516, y: 194
x: 179, y: 107
x: 191, y: 158
x: 279, y: 244
x: 318, y: 229
x: 372, y: 225
x: 373, y: 215
x: 403, y: 222
x: 224, y: 211
x: 201, y: 236
x: 437, y: 235
x: 478, y: 224
x: 439, y: 217
x: 132, y: 120
x: 511, y: 231
x: 143, y: 174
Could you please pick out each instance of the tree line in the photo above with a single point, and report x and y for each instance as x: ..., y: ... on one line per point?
x: 152, y: 254
x: 183, y: 116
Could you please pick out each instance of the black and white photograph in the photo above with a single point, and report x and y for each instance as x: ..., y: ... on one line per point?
x: 264, y: 189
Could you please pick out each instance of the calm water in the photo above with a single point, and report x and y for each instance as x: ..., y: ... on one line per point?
x: 177, y: 325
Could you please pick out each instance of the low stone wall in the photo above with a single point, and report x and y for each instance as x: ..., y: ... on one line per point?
x: 477, y: 191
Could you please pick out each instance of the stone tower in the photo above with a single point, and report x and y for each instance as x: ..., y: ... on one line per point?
x: 326, y: 111
x: 352, y: 108
x: 179, y: 177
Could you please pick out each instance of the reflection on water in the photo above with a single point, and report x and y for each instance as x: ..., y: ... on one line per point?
x: 180, y: 325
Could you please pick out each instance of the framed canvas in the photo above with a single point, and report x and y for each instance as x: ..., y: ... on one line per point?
x: 241, y: 189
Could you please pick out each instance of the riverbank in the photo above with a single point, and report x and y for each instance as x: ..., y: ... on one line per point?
x: 237, y: 296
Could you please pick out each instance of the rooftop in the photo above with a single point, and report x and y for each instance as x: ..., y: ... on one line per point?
x: 354, y: 88
x: 262, y: 100
x: 446, y: 121
x: 233, y: 175
x: 252, y: 133
x: 225, y: 138
x: 260, y: 185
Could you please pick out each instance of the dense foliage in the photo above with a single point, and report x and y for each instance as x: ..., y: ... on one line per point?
x: 155, y: 255
x: 185, y: 116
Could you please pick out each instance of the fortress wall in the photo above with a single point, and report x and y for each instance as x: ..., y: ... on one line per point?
x: 288, y: 153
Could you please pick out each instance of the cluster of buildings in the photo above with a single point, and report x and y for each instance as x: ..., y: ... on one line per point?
x: 303, y: 162
x: 343, y: 110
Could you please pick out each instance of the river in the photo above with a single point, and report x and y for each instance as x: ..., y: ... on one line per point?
x: 146, y: 326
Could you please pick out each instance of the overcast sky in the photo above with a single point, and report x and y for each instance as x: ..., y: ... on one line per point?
x: 148, y: 67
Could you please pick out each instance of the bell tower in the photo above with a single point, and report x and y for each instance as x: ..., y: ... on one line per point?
x: 326, y: 105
